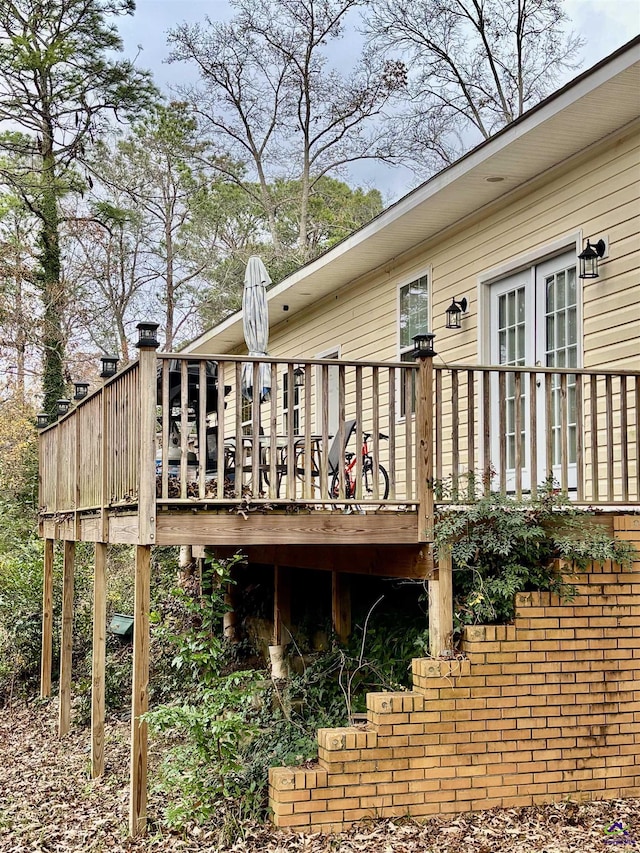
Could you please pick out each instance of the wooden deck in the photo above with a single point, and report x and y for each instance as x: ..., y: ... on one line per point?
x: 170, y: 451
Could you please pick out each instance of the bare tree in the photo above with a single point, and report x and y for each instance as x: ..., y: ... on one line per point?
x: 155, y: 176
x: 473, y: 65
x: 271, y: 100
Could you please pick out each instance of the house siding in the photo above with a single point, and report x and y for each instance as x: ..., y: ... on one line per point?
x: 596, y: 193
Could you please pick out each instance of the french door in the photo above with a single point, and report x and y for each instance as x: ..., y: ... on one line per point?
x: 534, y: 321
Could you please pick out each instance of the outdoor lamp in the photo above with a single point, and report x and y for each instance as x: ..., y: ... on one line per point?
x: 423, y: 345
x: 589, y: 258
x: 42, y: 420
x: 81, y: 390
x: 109, y: 366
x: 147, y: 334
x: 298, y: 377
x: 455, y: 312
x: 62, y: 407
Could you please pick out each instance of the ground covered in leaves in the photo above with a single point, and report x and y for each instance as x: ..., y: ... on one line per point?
x: 48, y: 803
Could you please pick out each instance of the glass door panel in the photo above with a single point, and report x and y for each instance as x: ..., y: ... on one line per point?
x: 535, y: 321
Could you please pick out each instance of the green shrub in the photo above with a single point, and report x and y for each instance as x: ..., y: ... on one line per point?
x: 501, y: 546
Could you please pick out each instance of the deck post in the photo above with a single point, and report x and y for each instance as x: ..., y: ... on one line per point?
x: 441, y: 607
x: 147, y: 366
x: 341, y: 605
x: 47, y: 620
x: 66, y: 639
x: 140, y: 692
x: 281, y: 604
x: 147, y: 461
x: 98, y: 659
x: 424, y: 438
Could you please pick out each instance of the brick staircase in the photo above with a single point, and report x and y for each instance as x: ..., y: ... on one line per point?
x: 541, y: 710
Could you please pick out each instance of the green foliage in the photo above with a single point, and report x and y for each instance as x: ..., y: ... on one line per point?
x: 20, y: 598
x: 501, y: 546
x: 230, y: 726
x: 212, y: 723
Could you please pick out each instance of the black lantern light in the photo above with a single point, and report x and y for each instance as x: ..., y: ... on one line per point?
x: 455, y: 312
x: 423, y: 345
x: 589, y: 258
x: 298, y: 377
x: 62, y: 407
x: 147, y: 334
x: 81, y: 390
x: 109, y: 366
x: 42, y: 420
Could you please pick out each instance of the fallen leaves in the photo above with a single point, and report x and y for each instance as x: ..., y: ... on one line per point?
x: 48, y: 804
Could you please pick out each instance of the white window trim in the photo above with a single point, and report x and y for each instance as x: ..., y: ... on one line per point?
x: 329, y: 352
x: 403, y: 282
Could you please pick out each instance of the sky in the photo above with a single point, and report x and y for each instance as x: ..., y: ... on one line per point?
x: 604, y: 25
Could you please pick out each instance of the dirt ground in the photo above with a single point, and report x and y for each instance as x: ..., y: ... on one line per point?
x: 49, y: 803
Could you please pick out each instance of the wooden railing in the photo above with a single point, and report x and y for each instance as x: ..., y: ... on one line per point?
x: 89, y: 459
x: 506, y: 429
x: 579, y: 431
x: 287, y: 443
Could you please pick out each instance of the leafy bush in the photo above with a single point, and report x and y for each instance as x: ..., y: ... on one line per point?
x: 20, y: 599
x: 501, y: 546
x: 230, y: 726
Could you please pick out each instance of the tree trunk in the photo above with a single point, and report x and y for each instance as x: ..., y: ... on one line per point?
x: 53, y: 384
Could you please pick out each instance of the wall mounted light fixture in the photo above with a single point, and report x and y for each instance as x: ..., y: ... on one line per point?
x: 455, y: 312
x: 589, y: 258
x: 298, y: 377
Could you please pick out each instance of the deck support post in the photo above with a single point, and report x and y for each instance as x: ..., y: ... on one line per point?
x: 230, y: 619
x: 424, y: 446
x: 341, y: 605
x: 281, y: 605
x: 98, y: 659
x: 66, y: 639
x: 140, y: 692
x: 441, y: 607
x: 47, y: 620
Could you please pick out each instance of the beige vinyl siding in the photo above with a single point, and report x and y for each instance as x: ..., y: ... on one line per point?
x: 597, y: 194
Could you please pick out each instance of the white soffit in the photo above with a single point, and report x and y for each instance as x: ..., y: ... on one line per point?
x: 595, y: 105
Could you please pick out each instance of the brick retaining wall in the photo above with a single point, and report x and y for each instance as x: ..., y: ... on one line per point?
x: 545, y: 709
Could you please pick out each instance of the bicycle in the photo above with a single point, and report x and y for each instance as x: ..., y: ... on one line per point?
x: 368, y: 477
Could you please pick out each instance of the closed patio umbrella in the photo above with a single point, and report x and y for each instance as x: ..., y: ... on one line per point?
x: 255, y: 322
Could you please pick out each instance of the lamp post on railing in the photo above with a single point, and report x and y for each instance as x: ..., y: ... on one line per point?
x: 109, y: 366
x: 81, y: 389
x: 423, y: 352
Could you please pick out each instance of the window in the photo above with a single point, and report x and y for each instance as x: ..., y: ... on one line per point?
x: 414, y: 320
x: 292, y: 426
x: 247, y: 416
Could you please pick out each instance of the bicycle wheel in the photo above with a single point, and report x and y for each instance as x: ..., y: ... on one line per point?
x: 368, y: 485
x: 349, y: 486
